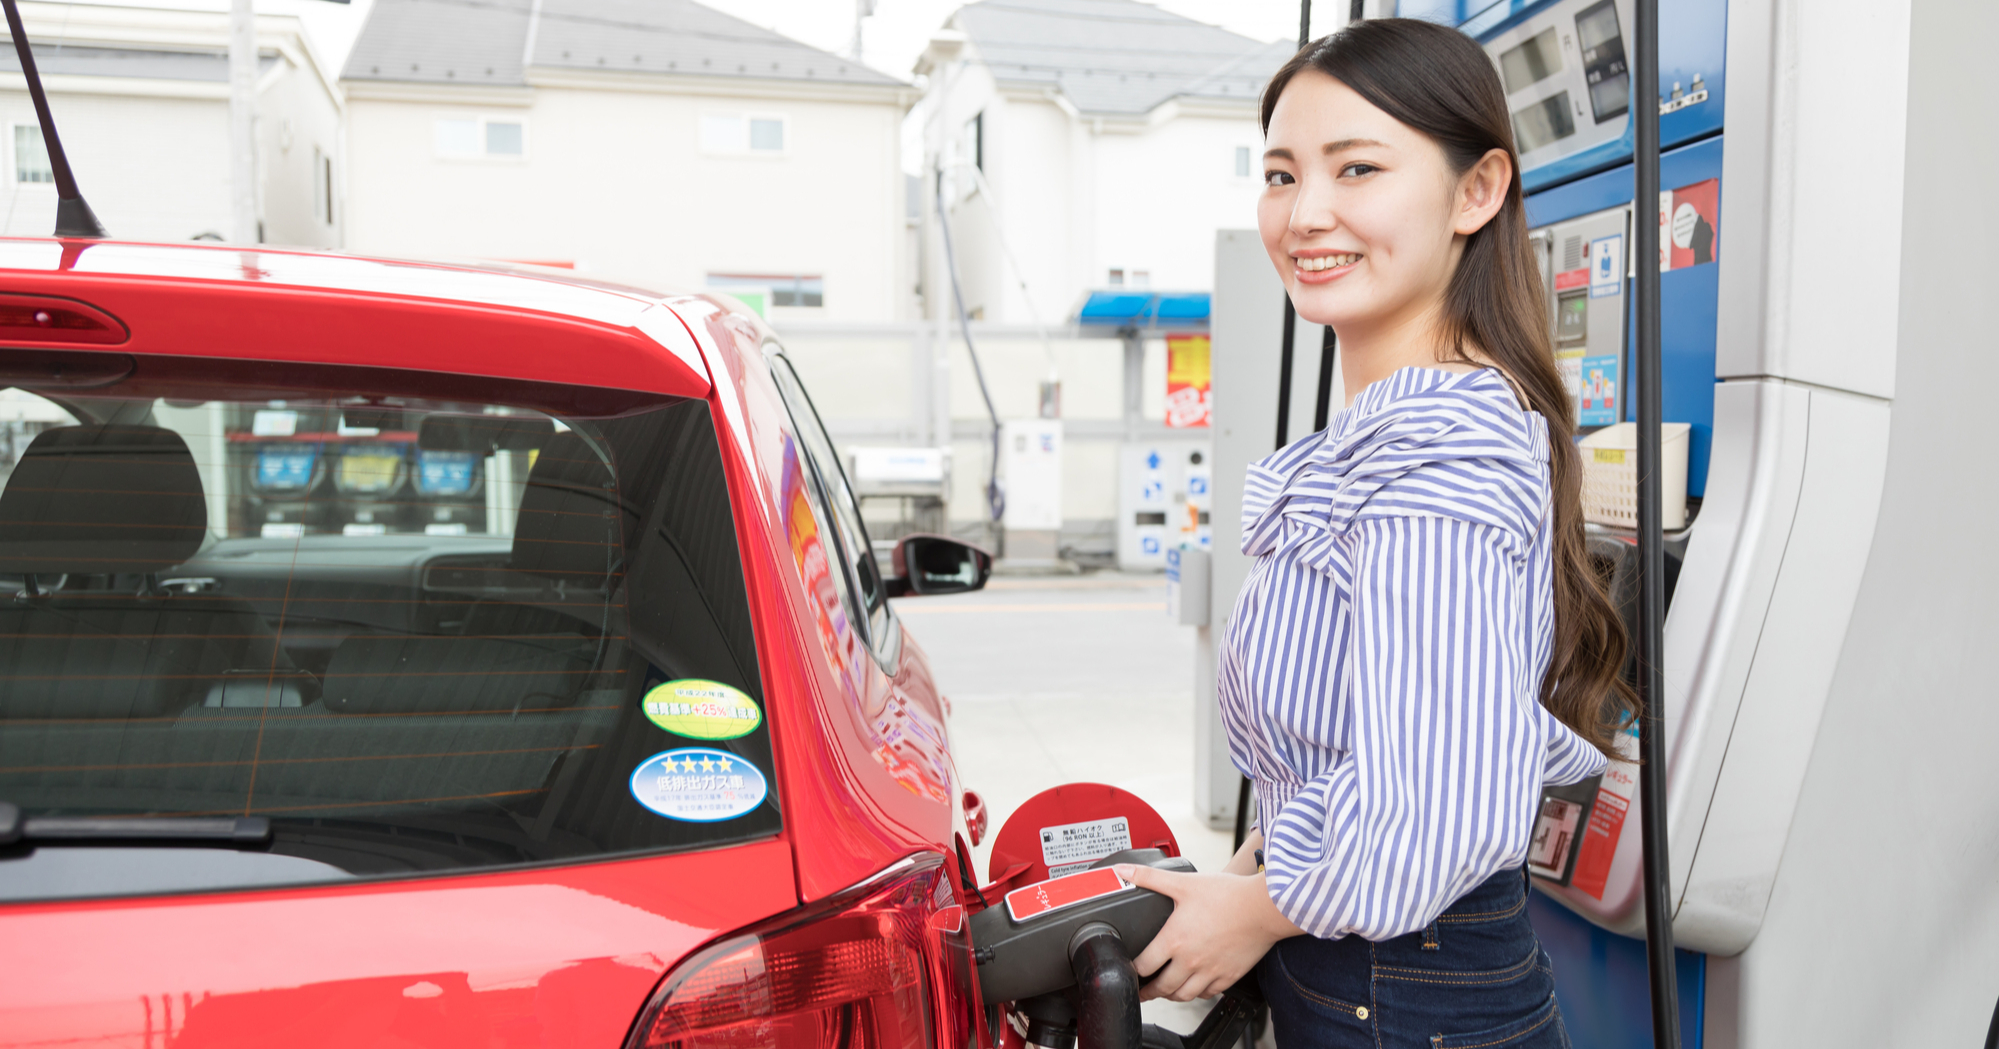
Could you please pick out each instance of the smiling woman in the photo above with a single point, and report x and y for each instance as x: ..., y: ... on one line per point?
x: 1421, y: 645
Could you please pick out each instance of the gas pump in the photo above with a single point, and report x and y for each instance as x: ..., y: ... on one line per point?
x: 280, y: 453
x: 1780, y: 370
x: 371, y: 474
x: 450, y: 487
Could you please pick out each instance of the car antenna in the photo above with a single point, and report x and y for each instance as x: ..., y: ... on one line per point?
x: 73, y: 216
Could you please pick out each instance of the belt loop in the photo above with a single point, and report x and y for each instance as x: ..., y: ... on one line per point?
x: 1430, y: 938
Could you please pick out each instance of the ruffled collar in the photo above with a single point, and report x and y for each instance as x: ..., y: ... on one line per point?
x: 1311, y: 488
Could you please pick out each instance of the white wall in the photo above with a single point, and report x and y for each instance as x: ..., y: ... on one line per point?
x: 1076, y: 196
x: 152, y: 156
x: 1164, y: 193
x: 297, y: 113
x: 151, y: 168
x: 617, y: 183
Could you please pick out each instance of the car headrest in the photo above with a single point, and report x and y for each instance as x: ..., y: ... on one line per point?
x: 568, y: 530
x: 102, y: 499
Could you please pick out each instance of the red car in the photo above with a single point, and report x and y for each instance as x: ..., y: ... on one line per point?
x: 415, y: 655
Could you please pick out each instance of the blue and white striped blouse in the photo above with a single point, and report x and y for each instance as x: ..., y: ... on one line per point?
x: 1380, y: 675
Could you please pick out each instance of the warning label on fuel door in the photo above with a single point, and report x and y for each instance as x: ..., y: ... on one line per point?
x: 1074, y: 846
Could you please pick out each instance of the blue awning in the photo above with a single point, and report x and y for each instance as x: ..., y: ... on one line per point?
x: 1144, y: 309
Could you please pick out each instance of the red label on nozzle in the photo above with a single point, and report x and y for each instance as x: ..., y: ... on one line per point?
x: 1067, y: 891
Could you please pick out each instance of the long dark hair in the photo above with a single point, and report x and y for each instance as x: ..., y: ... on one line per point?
x: 1436, y: 80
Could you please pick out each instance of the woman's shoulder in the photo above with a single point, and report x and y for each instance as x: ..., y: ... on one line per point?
x: 1423, y: 442
x: 1438, y: 414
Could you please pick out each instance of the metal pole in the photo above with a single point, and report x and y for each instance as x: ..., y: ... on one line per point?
x: 1286, y: 354
x: 243, y: 122
x: 1651, y: 539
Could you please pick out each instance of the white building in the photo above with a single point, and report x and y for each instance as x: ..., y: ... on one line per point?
x: 1115, y: 139
x: 657, y: 141
x: 141, y: 99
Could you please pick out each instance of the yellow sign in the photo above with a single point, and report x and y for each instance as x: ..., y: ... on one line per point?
x: 1188, y: 398
x: 1610, y: 455
x: 369, y: 470
x: 701, y: 709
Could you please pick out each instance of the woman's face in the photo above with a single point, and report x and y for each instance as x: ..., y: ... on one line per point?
x: 1362, y: 214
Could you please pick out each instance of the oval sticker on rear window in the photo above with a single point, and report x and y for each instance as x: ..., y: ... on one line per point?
x: 698, y: 785
x: 701, y: 709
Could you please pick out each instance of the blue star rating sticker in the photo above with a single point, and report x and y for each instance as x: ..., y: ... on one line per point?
x: 722, y: 786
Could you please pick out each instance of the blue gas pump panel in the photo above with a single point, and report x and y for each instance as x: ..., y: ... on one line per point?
x: 286, y: 468
x: 447, y: 474
x: 1565, y: 65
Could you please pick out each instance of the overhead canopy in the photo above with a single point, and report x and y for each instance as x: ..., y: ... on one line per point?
x: 1138, y: 308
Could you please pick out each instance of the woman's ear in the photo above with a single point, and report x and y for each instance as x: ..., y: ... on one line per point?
x: 1482, y: 191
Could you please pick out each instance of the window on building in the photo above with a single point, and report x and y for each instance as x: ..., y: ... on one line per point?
x: 735, y: 133
x: 322, y: 186
x: 764, y: 290
x: 1242, y: 162
x: 504, y: 139
x: 1141, y: 278
x: 457, y: 138
x: 473, y: 137
x: 31, y: 155
x: 975, y: 140
x: 1117, y: 278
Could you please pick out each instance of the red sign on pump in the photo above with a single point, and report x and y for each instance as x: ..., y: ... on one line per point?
x: 1067, y: 891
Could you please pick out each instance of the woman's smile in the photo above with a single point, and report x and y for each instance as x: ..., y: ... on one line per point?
x: 1313, y: 267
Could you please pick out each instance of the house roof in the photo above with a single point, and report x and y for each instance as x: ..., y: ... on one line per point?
x: 73, y: 60
x: 481, y: 42
x: 1116, y: 57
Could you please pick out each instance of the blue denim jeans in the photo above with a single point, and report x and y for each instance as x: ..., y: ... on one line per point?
x: 1476, y: 978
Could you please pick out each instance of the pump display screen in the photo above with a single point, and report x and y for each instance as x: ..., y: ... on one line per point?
x: 1532, y: 62
x: 1572, y: 319
x: 445, y: 473
x: 1543, y: 123
x: 1603, y: 61
x: 285, y: 469
x: 369, y: 469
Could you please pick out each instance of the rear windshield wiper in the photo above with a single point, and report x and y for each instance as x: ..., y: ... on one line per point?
x: 128, y: 830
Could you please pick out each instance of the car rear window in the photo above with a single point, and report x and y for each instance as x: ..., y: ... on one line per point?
x: 418, y: 623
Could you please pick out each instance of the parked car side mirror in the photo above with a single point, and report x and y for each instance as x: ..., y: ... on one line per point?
x: 937, y: 564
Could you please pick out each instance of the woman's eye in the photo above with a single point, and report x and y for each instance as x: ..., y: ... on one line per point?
x: 1357, y: 170
x: 1277, y: 178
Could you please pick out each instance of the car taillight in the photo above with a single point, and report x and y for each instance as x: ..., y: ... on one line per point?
x: 862, y: 970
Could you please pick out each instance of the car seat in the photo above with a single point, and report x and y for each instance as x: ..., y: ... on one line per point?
x: 535, y: 653
x: 120, y: 503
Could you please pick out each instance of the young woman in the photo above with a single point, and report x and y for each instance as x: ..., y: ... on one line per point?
x: 1422, y: 644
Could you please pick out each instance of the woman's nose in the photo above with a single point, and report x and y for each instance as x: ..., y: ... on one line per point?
x: 1312, y: 210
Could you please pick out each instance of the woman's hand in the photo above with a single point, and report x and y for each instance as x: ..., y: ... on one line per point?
x: 1222, y: 925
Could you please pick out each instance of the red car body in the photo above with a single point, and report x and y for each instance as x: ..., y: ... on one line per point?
x: 556, y: 955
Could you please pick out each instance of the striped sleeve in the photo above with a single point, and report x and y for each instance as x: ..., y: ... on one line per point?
x: 1434, y: 787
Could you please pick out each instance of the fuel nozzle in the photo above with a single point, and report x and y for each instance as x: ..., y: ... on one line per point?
x: 1101, y: 1009
x: 1106, y: 989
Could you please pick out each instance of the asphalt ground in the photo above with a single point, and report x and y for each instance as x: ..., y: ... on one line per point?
x: 1071, y: 679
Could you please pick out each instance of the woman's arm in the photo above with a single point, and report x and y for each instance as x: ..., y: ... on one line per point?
x: 1244, y: 860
